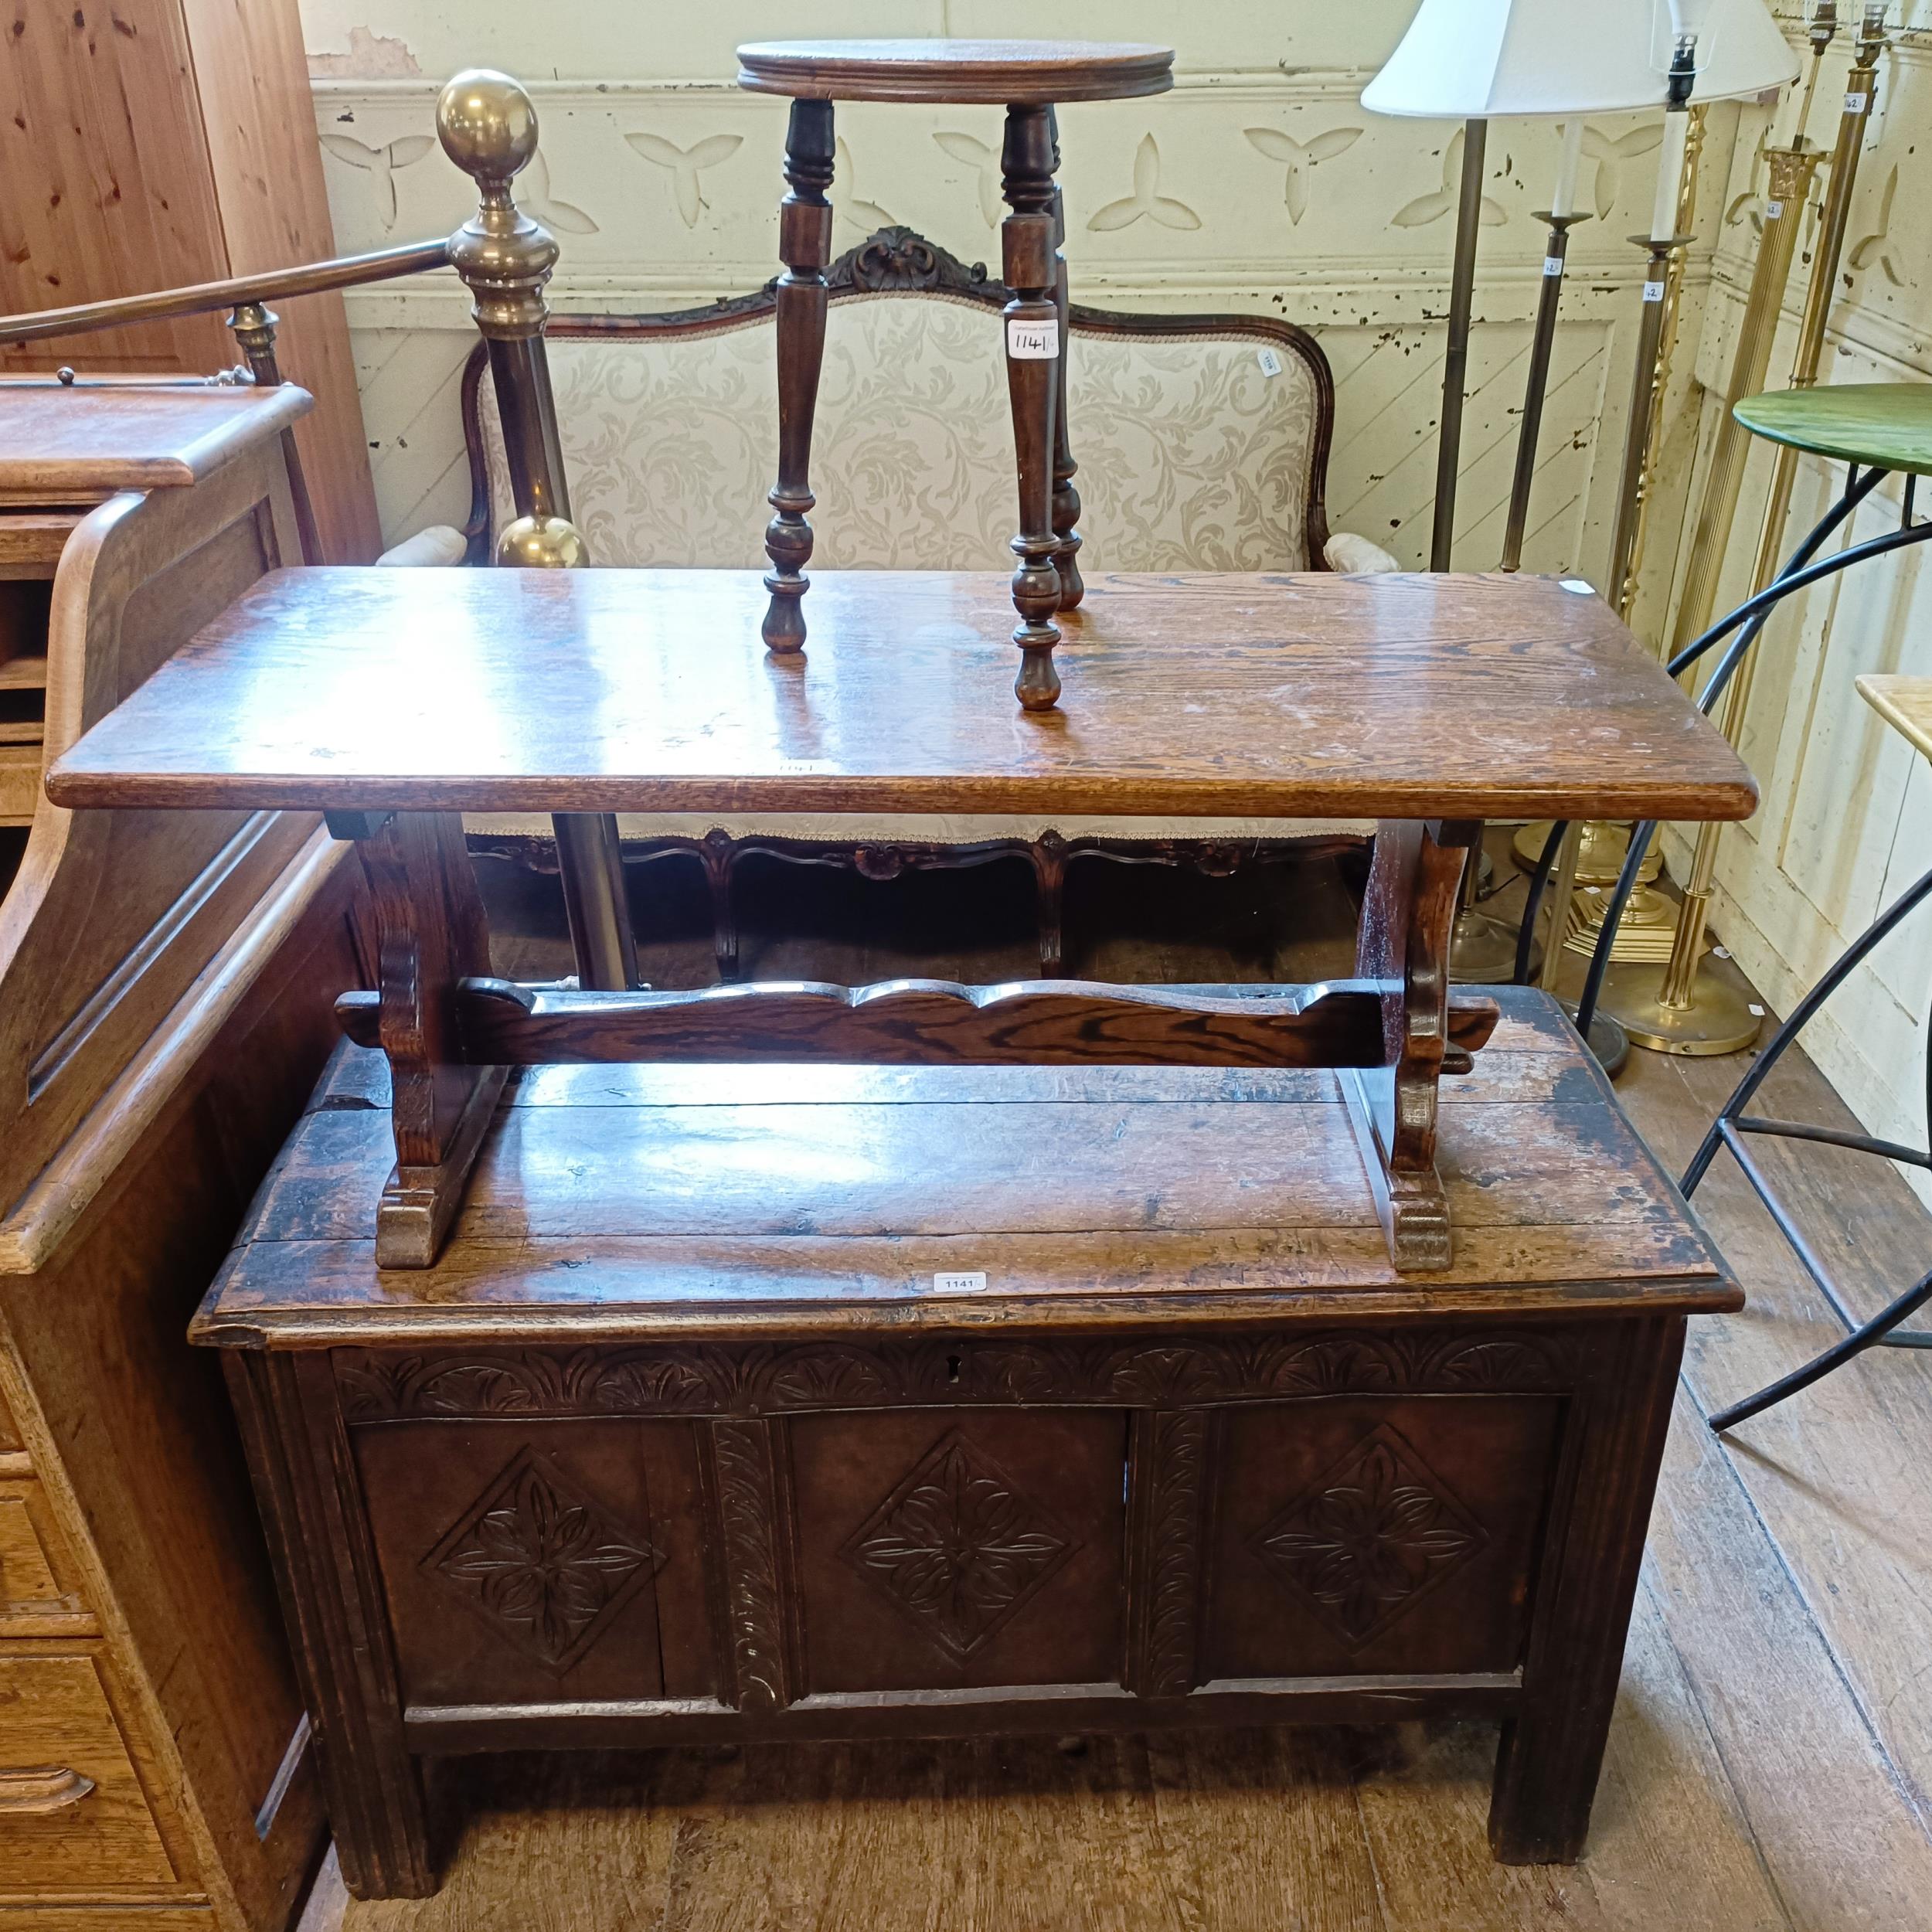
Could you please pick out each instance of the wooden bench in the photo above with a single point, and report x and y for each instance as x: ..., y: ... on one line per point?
x: 1202, y: 444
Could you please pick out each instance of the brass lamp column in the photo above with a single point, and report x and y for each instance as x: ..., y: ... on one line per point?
x: 1595, y: 851
x: 487, y: 126
x: 1668, y: 1008
x: 1562, y: 217
x: 1600, y: 845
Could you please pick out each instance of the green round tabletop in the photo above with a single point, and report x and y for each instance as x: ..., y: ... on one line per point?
x: 1889, y: 424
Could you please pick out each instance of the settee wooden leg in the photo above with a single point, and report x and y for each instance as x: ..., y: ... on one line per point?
x: 1551, y: 1752
x: 716, y: 852
x: 805, y: 246
x: 1033, y: 326
x: 1049, y: 852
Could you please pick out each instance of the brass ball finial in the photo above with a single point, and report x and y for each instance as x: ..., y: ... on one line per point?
x: 541, y: 544
x: 487, y: 124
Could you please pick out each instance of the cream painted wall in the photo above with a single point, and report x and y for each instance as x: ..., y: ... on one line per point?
x: 1258, y: 183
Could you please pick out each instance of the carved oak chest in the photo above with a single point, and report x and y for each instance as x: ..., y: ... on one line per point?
x: 810, y: 1402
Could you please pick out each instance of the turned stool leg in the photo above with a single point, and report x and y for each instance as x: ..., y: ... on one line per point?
x: 1066, y: 499
x: 1032, y: 375
x: 805, y: 246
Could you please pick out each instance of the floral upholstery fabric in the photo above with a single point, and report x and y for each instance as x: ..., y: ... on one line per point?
x: 1193, y: 452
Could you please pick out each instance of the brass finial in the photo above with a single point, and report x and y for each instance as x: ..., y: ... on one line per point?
x: 487, y: 126
x: 541, y: 544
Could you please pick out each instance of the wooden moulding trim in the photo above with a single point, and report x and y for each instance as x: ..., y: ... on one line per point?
x: 34, y: 1228
x: 1007, y: 1710
x: 422, y: 1324
x: 928, y: 1023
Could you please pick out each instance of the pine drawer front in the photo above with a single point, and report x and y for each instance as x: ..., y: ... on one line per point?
x: 55, y: 1837
x: 38, y: 1598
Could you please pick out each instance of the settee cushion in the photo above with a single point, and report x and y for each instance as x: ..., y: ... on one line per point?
x: 1195, y: 451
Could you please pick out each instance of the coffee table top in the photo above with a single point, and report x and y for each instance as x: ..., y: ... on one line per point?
x: 1213, y: 696
x: 1887, y: 424
x: 1002, y: 73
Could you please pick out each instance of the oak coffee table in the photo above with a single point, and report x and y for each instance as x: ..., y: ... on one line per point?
x: 1028, y: 78
x: 803, y: 1361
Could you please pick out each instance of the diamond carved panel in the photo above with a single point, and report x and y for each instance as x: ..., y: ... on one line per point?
x: 1367, y: 1540
x: 958, y: 1548
x: 540, y: 1564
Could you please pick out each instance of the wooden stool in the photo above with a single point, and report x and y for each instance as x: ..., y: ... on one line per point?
x: 1028, y: 77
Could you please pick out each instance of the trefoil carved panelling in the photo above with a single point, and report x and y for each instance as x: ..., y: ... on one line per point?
x: 1299, y: 158
x: 686, y: 166
x: 1146, y: 203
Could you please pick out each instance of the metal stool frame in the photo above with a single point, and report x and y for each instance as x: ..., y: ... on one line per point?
x: 1733, y: 1124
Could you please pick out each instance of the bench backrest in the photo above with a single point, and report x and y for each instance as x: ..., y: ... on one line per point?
x: 1202, y: 440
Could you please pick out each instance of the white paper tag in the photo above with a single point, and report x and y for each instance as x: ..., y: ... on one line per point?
x: 1552, y: 264
x: 1653, y: 291
x: 1773, y: 210
x: 1857, y: 104
x: 960, y: 1281
x: 1269, y: 362
x: 1033, y: 342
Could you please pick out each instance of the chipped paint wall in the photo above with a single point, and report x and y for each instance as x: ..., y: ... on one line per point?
x: 1258, y: 183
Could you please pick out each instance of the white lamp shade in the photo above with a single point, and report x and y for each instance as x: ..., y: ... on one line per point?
x: 1464, y: 59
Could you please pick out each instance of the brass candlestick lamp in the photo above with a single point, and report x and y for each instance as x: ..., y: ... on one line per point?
x: 1711, y: 50
x: 1665, y: 1004
x: 1713, y: 54
x: 1477, y: 61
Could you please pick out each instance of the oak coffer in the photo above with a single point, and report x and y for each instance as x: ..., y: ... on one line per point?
x: 815, y: 1402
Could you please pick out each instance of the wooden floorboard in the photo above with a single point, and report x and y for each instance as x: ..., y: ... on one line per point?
x: 1772, y: 1750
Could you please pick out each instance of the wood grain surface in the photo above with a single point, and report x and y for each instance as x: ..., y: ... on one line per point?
x: 1312, y: 696
x: 743, y: 1200
x: 998, y: 72
x: 82, y: 443
x: 910, y: 1022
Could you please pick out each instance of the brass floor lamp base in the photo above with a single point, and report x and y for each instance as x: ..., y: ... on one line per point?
x: 1644, y: 934
x: 1600, y: 854
x: 1718, y: 1017
x: 1482, y: 950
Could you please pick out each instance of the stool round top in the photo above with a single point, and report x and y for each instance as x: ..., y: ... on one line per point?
x: 1033, y: 74
x: 1889, y: 424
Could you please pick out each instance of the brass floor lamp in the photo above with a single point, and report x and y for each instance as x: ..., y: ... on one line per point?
x: 1477, y: 61
x: 1668, y: 1005
x: 1716, y: 51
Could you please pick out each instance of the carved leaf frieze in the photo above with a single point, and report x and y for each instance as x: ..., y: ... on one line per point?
x: 717, y: 1380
